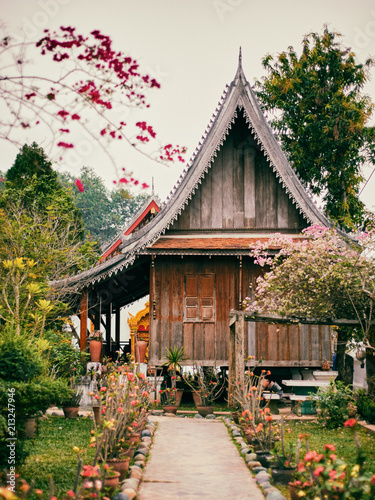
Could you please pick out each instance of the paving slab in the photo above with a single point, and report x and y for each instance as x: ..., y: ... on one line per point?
x: 192, y: 459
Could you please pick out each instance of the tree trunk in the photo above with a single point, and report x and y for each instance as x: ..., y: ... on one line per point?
x: 344, y: 363
x: 370, y: 371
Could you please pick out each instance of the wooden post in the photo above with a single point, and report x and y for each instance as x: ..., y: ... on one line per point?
x: 236, y: 354
x: 83, y: 314
x: 117, y: 328
x: 108, y: 337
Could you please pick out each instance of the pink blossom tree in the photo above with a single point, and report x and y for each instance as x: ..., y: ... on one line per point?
x: 88, y: 87
x: 320, y: 276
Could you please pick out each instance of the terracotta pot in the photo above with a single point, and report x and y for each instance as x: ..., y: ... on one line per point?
x: 71, y: 411
x: 135, y: 438
x: 179, y: 394
x: 142, y: 346
x: 196, y: 398
x: 264, y: 457
x: 129, y: 452
x: 119, y: 465
x: 282, y: 475
x: 95, y: 350
x: 205, y: 410
x: 236, y: 416
x: 293, y: 492
x: 97, y: 416
x: 170, y: 409
x: 30, y: 427
x: 112, y: 482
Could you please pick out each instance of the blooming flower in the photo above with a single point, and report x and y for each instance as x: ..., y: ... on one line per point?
x: 350, y: 423
x: 318, y: 471
x: 330, y: 447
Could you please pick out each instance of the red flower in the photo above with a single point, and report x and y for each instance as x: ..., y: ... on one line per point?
x: 63, y: 114
x: 65, y: 145
x: 76, y: 117
x: 29, y: 96
x: 330, y: 447
x: 350, y: 423
x: 79, y: 185
x: 318, y: 471
x: 373, y: 479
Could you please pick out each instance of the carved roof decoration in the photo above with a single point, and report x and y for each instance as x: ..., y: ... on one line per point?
x: 238, y: 96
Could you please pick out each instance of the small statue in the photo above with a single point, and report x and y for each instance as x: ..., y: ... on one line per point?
x: 325, y: 366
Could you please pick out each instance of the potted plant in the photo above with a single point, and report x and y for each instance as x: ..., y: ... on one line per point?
x: 284, y: 458
x: 168, y: 399
x: 208, y: 387
x: 95, y: 347
x: 70, y: 403
x: 174, y: 358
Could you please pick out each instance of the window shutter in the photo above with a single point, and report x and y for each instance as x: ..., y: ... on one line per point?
x: 191, y: 297
x: 200, y: 297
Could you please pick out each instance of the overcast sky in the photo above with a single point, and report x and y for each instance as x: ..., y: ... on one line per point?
x: 191, y: 47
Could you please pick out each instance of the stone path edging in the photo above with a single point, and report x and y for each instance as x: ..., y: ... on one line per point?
x: 261, y: 475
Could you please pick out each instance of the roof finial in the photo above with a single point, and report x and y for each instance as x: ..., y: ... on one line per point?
x: 239, y: 68
x: 240, y: 58
x: 152, y: 189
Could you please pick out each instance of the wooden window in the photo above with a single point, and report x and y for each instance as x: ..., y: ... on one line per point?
x: 199, y: 297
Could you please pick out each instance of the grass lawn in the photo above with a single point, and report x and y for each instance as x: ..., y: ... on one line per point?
x: 51, y: 453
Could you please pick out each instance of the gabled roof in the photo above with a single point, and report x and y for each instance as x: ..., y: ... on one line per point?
x: 151, y: 206
x: 237, y: 96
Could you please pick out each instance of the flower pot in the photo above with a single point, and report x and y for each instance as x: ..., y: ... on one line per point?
x: 179, y: 393
x: 236, y: 416
x: 140, y: 346
x: 95, y: 350
x: 71, y: 411
x: 282, y: 475
x: 112, y: 481
x: 205, y: 410
x: 293, y: 492
x: 30, y: 427
x: 129, y: 452
x: 196, y: 398
x: 119, y: 465
x: 135, y: 438
x: 170, y: 409
x: 264, y: 457
x: 97, y: 416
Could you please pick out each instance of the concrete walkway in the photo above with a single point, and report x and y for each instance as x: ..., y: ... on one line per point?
x: 195, y: 458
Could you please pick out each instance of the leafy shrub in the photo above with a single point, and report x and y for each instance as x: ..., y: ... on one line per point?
x: 365, y: 406
x: 334, y: 402
x: 63, y: 356
x: 20, y: 359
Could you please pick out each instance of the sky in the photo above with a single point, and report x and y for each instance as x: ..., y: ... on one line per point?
x: 191, y: 48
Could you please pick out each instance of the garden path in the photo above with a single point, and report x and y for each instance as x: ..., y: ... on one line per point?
x: 193, y: 458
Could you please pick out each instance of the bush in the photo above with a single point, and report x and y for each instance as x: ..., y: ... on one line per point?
x: 365, y: 406
x: 20, y: 359
x: 63, y: 356
x: 335, y: 403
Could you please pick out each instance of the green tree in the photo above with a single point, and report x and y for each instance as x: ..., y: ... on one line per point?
x: 41, y: 240
x: 321, y: 117
x: 104, y: 211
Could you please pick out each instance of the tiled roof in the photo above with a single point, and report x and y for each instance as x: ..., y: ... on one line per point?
x: 207, y: 243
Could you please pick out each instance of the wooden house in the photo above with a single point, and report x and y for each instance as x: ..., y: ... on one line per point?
x: 193, y: 256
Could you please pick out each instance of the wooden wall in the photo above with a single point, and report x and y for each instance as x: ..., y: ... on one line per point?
x: 288, y: 345
x: 193, y: 297
x: 240, y: 191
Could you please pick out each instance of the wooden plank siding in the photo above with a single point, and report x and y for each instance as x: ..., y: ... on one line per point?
x: 240, y: 191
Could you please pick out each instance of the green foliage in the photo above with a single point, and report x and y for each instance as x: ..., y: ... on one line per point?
x: 322, y: 118
x: 20, y: 360
x: 335, y: 403
x: 104, y: 211
x: 65, y: 357
x: 365, y: 406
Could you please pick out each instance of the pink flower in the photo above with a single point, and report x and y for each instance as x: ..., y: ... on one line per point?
x: 332, y: 474
x: 310, y: 456
x: 330, y: 447
x: 76, y: 117
x: 103, y: 389
x: 79, y: 185
x: 318, y: 471
x: 350, y: 423
x: 373, y: 479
